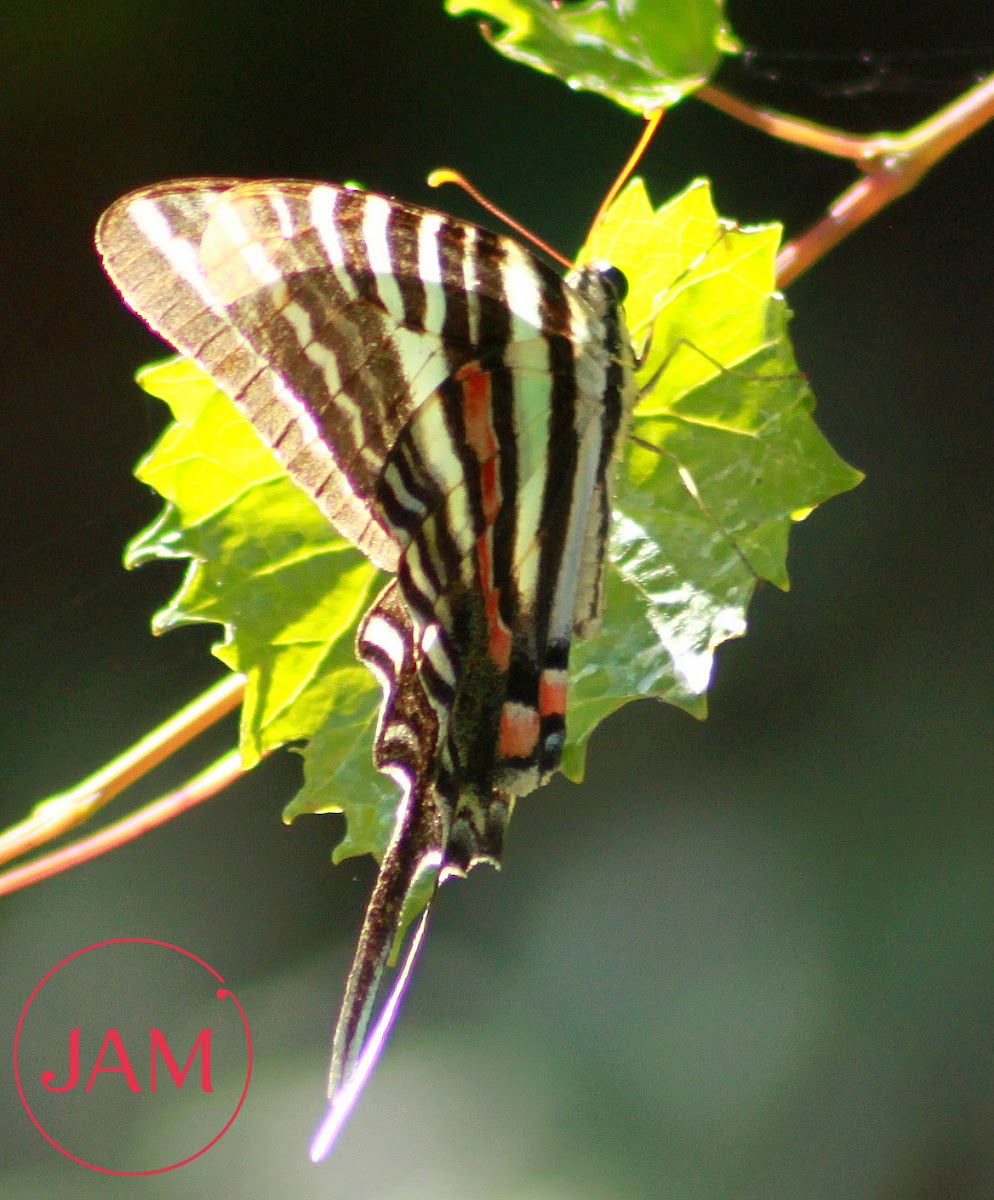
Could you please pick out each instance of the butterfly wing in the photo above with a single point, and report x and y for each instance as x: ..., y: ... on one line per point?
x: 405, y: 749
x: 454, y: 408
x: 328, y: 315
x: 378, y: 347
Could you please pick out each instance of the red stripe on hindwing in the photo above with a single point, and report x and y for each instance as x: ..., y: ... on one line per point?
x: 552, y: 693
x: 480, y: 434
x: 477, y: 404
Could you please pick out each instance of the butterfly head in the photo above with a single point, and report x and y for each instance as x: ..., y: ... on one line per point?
x: 601, y: 284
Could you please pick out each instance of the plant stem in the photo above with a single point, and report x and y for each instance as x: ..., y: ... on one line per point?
x: 58, y: 814
x: 787, y: 128
x: 893, y: 163
x: 201, y: 787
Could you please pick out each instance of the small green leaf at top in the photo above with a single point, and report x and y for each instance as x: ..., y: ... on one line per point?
x: 643, y: 54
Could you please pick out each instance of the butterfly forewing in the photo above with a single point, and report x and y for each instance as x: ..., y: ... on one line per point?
x: 326, y: 313
x: 455, y: 409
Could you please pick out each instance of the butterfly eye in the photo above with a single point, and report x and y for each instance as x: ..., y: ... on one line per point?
x: 615, y: 282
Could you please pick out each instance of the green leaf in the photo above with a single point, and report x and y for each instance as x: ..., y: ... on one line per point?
x: 265, y: 563
x: 339, y: 777
x: 699, y: 519
x: 643, y: 54
x: 706, y: 515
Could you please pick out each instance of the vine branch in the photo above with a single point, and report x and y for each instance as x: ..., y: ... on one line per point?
x: 58, y: 814
x: 892, y: 163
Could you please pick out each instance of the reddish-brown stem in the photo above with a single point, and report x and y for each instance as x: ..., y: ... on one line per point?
x: 787, y: 128
x: 58, y: 814
x: 893, y: 163
x: 201, y: 787
x: 853, y: 208
x: 652, y: 120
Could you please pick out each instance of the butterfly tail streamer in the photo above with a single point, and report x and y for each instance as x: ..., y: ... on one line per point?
x: 404, y: 748
x: 347, y: 1090
x: 406, y: 864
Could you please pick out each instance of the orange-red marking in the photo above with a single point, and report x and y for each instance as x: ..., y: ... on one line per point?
x: 499, y: 647
x: 519, y: 729
x: 476, y: 410
x: 552, y: 693
x: 480, y: 436
x: 490, y: 490
x: 500, y: 644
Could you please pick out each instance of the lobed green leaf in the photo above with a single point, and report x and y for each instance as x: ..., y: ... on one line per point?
x: 643, y: 54
x: 264, y: 563
x: 737, y: 457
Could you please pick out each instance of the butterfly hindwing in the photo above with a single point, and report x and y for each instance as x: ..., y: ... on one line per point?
x: 406, y: 739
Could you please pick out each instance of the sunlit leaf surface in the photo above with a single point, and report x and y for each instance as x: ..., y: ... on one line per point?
x: 643, y: 54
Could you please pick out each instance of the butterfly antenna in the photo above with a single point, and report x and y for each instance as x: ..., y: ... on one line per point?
x: 447, y: 175
x: 651, y: 125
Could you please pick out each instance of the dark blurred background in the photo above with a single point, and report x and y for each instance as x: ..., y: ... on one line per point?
x: 750, y: 958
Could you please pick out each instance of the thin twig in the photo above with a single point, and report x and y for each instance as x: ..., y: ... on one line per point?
x: 652, y: 120
x: 853, y: 208
x: 893, y: 163
x: 58, y: 814
x: 201, y: 787
x: 787, y: 128
x: 896, y: 164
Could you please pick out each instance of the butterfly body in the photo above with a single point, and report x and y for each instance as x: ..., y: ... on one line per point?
x: 455, y: 409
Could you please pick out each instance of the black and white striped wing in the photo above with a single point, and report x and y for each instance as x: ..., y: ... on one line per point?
x: 448, y: 401
x: 455, y: 409
x: 327, y: 314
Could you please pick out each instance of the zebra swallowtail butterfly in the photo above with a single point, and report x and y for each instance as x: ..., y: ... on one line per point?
x: 455, y: 409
